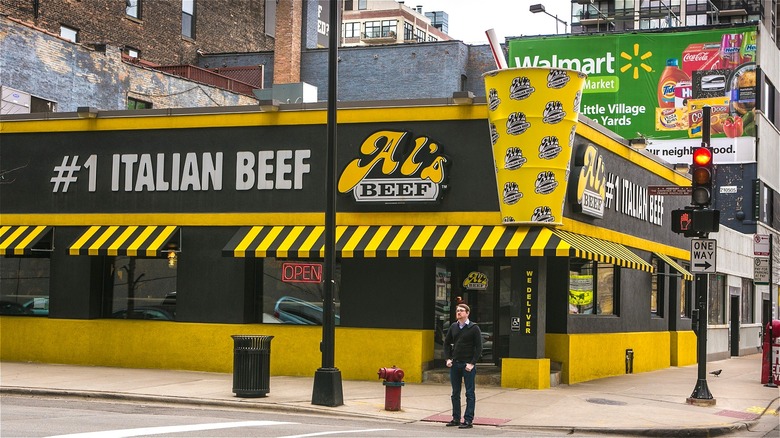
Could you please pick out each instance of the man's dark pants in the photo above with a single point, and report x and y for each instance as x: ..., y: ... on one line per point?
x: 459, y: 374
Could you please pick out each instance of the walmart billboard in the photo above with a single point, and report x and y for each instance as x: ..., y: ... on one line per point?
x: 655, y: 84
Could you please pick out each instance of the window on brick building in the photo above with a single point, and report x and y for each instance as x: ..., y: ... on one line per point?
x: 420, y: 35
x: 350, y: 30
x: 133, y: 8
x: 408, y: 31
x: 69, y: 33
x: 188, y: 18
x: 136, y: 104
x: 131, y: 52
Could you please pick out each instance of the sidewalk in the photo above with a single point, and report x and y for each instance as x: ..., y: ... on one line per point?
x: 651, y: 403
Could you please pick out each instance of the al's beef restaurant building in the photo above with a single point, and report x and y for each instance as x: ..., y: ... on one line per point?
x: 147, y: 239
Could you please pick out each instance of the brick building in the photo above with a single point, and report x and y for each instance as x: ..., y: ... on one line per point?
x: 159, y: 31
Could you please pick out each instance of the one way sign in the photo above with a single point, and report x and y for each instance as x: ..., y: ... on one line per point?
x: 703, y: 252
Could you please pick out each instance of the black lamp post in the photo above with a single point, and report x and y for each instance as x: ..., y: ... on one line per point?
x: 327, y: 379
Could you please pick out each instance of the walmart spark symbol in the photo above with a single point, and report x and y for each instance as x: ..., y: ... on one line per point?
x: 65, y: 173
x: 644, y: 66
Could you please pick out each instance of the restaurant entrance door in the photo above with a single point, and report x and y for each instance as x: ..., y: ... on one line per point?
x: 485, y: 286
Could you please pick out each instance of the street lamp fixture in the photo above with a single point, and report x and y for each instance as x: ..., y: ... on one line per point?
x: 540, y: 8
x: 87, y: 112
x: 463, y: 98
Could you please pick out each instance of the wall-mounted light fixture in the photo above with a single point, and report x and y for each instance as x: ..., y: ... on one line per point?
x: 463, y: 98
x: 173, y: 259
x: 269, y: 105
x: 87, y: 112
x: 638, y: 143
x: 681, y: 167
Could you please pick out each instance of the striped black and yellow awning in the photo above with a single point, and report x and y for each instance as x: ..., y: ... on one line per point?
x: 24, y: 240
x: 684, y: 272
x: 427, y: 241
x: 603, y: 251
x: 126, y: 241
x: 397, y: 241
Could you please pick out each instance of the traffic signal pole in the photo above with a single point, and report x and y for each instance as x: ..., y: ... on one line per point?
x: 701, y: 395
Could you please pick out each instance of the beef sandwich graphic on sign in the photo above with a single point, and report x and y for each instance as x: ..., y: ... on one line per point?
x: 533, y: 116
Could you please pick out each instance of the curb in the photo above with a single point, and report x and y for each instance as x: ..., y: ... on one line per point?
x: 713, y: 431
x: 274, y: 407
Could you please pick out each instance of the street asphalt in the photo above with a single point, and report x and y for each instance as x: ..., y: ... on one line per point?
x: 647, y: 404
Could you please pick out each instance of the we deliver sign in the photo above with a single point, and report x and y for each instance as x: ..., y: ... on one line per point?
x: 654, y: 84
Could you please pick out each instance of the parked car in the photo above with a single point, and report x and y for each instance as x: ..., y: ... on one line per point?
x: 38, y: 306
x: 487, y: 338
x: 297, y: 311
x: 11, y: 308
x: 144, y: 312
x: 270, y: 319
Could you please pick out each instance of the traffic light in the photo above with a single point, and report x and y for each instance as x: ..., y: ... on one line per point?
x: 701, y: 177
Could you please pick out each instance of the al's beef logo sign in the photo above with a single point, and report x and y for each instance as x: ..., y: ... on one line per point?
x: 394, y: 168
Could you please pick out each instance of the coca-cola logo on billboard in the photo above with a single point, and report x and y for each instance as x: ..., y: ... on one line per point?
x: 696, y: 57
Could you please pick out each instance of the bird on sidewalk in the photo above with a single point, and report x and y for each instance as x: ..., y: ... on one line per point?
x: 716, y: 373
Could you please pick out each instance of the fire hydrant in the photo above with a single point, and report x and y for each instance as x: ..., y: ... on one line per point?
x: 393, y: 382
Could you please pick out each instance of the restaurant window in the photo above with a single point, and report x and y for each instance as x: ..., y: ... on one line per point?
x: 143, y: 288
x: 188, y: 18
x: 24, y: 285
x: 748, y: 294
x: 69, y: 33
x: 716, y: 304
x: 136, y: 104
x: 686, y: 297
x: 293, y: 292
x: 133, y: 8
x: 657, y: 288
x: 592, y: 288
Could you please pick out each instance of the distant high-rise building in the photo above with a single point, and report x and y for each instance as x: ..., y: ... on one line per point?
x: 371, y: 22
x: 620, y: 16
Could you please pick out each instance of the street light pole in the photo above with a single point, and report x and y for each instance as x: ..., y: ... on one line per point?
x: 540, y: 8
x: 327, y: 379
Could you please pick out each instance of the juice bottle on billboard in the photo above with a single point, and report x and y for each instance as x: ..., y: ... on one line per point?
x: 669, y: 79
x: 730, y: 45
x: 748, y: 49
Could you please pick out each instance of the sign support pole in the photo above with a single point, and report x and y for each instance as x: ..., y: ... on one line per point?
x: 701, y: 393
x: 771, y: 383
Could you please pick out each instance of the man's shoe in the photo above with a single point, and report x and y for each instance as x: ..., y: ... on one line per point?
x: 453, y: 423
x: 466, y: 425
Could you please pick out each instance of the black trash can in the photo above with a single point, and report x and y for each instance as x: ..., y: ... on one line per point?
x: 251, y: 365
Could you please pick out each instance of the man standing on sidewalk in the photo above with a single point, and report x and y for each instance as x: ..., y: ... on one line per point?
x: 462, y: 347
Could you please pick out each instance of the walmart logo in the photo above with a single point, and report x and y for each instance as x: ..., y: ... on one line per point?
x: 635, y: 61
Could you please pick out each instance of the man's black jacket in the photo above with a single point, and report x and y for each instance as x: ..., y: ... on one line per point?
x: 463, y: 344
